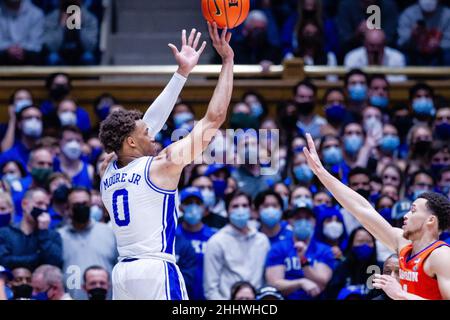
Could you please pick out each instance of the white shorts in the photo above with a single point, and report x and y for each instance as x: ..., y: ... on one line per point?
x: 148, y: 279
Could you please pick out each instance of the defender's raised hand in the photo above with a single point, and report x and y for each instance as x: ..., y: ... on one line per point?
x: 188, y: 57
x: 221, y: 43
x: 311, y: 155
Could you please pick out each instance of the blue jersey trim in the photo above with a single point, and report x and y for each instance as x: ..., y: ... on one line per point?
x: 149, y: 182
x: 412, y: 257
x: 166, y: 279
x: 163, y: 231
x: 174, y: 283
x: 171, y: 225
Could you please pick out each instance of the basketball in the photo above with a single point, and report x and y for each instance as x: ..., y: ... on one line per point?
x: 226, y: 13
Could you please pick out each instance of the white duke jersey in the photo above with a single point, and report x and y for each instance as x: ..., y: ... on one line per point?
x: 144, y: 217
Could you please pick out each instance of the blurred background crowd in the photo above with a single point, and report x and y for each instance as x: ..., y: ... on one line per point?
x: 242, y: 235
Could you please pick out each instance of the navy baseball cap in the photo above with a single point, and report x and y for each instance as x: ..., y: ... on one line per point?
x: 400, y: 209
x: 269, y: 293
x: 213, y: 168
x: 6, y: 272
x: 190, y: 192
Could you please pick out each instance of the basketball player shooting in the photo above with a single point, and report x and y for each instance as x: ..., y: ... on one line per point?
x: 424, y: 261
x: 139, y: 189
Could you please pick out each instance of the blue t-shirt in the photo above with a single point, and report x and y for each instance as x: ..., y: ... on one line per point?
x: 284, y: 234
x: 18, y: 152
x: 284, y: 253
x: 198, y: 240
x: 82, y: 179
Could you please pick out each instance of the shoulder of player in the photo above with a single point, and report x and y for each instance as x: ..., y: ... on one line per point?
x: 438, y: 260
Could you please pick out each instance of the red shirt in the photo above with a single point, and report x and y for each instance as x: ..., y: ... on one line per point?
x: 412, y: 276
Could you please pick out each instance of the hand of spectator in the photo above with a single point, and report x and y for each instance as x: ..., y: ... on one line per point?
x: 373, y: 137
x: 389, y: 285
x: 311, y: 288
x: 188, y: 57
x: 12, y: 113
x: 109, y: 157
x: 337, y: 252
x: 43, y: 221
x: 301, y: 247
x: 311, y: 155
x: 221, y: 43
x: 265, y: 64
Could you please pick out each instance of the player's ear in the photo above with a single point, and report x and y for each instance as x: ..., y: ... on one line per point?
x: 131, y: 142
x: 432, y: 219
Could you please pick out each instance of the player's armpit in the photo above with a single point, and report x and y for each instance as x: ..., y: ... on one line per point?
x: 109, y: 157
x: 439, y: 265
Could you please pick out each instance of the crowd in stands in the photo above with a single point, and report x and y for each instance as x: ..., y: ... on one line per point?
x: 242, y: 234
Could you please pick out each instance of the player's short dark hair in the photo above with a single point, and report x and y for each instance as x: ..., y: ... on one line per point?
x: 307, y: 83
x: 353, y: 72
x: 420, y: 86
x: 116, y: 127
x: 260, y: 197
x: 95, y: 267
x: 439, y: 205
x: 234, y: 195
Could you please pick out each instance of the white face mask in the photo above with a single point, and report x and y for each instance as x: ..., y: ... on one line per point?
x: 32, y: 127
x: 72, y: 150
x: 333, y: 230
x: 68, y: 118
x: 428, y: 5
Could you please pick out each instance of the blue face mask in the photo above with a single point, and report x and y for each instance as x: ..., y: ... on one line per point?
x: 302, y: 202
x: 239, y: 217
x: 363, y: 252
x: 40, y: 296
x: 417, y: 193
x: 103, y: 111
x: 219, y: 187
x: 270, y: 216
x: 10, y: 177
x: 257, y: 109
x: 335, y: 113
x: 180, y: 118
x: 96, y: 213
x: 303, y: 229
x: 358, y: 92
x: 193, y: 214
x: 389, y: 143
x: 443, y: 131
x: 332, y: 155
x: 303, y: 173
x: 423, y: 107
x: 209, y: 197
x: 285, y: 202
x: 5, y: 219
x: 352, y: 144
x: 386, y: 213
x: 21, y: 104
x: 379, y: 101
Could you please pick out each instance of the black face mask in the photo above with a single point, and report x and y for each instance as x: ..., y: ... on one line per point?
x: 422, y: 147
x: 97, y: 294
x: 363, y: 192
x: 403, y: 124
x: 36, y: 212
x: 24, y: 291
x: 61, y: 193
x: 59, y: 91
x: 81, y: 213
x: 305, y: 108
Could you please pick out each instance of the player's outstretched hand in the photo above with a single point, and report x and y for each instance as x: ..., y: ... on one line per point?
x: 389, y: 285
x: 311, y: 155
x: 221, y: 42
x: 188, y: 57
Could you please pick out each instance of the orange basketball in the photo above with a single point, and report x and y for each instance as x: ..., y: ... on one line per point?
x: 226, y: 13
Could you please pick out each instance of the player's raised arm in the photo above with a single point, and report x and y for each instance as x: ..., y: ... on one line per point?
x: 353, y: 202
x: 187, y: 58
x: 184, y: 151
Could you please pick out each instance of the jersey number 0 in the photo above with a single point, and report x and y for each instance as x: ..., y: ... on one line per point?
x: 123, y: 194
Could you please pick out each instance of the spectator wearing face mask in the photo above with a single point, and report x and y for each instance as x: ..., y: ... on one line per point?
x: 48, y: 284
x: 355, y: 149
x: 6, y: 209
x: 85, y: 242
x: 65, y: 114
x: 300, y: 267
x: 439, y: 156
x: 441, y: 124
x: 30, y: 130
x: 421, y: 97
x: 210, y: 218
x: 242, y: 117
x: 66, y: 46
x: 40, y: 166
x: 355, y: 83
x: 269, y: 206
x: 335, y: 111
x: 374, y: 52
x: 20, y: 99
x: 379, y: 93
x: 330, y: 230
x: 389, y: 148
x: 22, y: 31
x: 21, y: 283
x: 59, y: 86
x: 236, y: 252
x: 419, y: 141
x: 301, y: 173
x: 196, y: 232
x: 423, y: 31
x: 308, y: 120
x: 219, y: 175
x: 330, y: 149
x: 443, y: 181
x: 96, y: 283
x: 12, y: 172
x: 59, y: 185
x: 70, y: 161
x: 353, y: 269
x: 421, y: 181
x: 31, y: 243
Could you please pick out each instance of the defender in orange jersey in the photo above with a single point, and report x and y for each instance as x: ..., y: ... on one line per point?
x: 424, y: 261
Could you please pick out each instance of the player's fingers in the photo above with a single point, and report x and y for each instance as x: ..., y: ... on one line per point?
x: 197, y: 40
x: 191, y: 37
x: 224, y: 34
x: 210, y: 29
x: 202, y: 48
x: 310, y: 141
x: 183, y: 37
x: 228, y: 38
x: 174, y: 49
x: 216, y: 32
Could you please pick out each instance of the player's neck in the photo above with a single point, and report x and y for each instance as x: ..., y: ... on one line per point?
x: 423, y: 242
x: 124, y: 160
